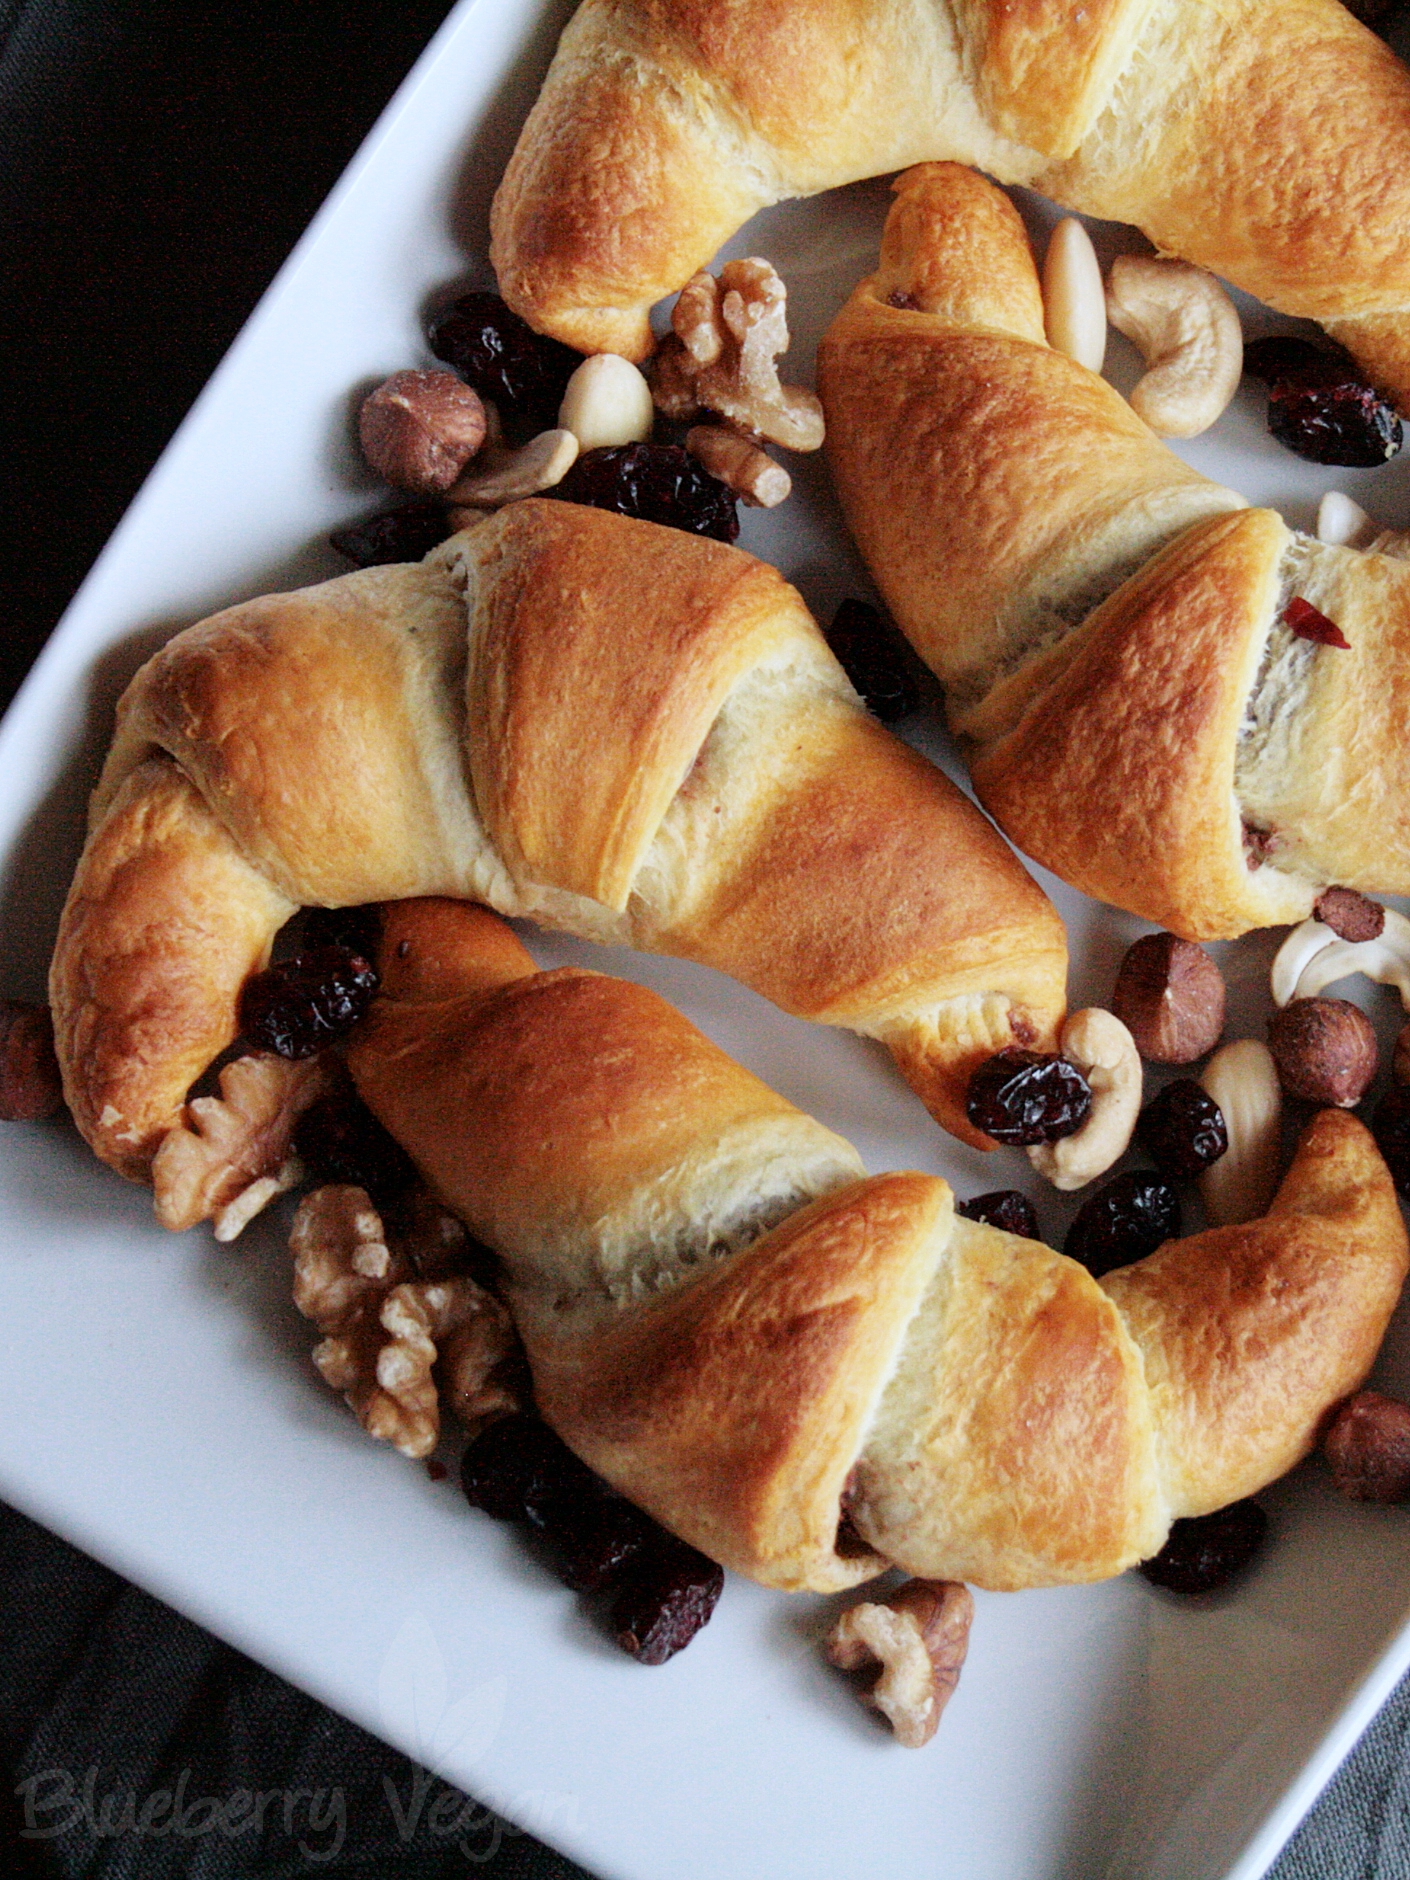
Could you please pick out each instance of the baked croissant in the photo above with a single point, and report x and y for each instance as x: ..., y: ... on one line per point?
x: 614, y: 728
x: 751, y: 1338
x: 1109, y: 625
x: 1271, y: 145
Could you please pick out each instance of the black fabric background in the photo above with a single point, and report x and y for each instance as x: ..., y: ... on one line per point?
x: 156, y: 166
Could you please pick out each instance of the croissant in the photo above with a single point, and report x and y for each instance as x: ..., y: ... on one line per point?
x: 751, y: 1338
x: 611, y: 727
x: 1110, y: 626
x: 1270, y: 145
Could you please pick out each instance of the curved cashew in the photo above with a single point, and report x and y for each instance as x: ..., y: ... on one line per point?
x: 1243, y: 1080
x: 1342, y: 521
x: 1074, y: 311
x: 1312, y: 958
x: 502, y: 476
x: 1105, y: 1052
x: 1189, y: 334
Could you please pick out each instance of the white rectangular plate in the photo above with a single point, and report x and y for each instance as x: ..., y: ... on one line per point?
x: 157, y: 1404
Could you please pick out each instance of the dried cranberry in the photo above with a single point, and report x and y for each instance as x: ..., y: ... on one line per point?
x: 357, y: 928
x: 872, y: 655
x: 338, y: 1139
x: 1028, y: 1096
x: 303, y: 1004
x: 1183, y: 1130
x: 405, y: 534
x: 504, y: 359
x: 1005, y: 1208
x: 669, y: 1594
x: 1390, y: 1125
x: 1319, y: 407
x: 656, y: 483
x: 1122, y: 1222
x: 1307, y: 622
x: 519, y: 1470
x: 595, y: 1543
x: 1208, y: 1549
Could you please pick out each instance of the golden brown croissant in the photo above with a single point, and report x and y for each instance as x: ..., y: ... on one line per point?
x: 1271, y: 145
x: 748, y: 1336
x: 1109, y: 624
x: 611, y: 727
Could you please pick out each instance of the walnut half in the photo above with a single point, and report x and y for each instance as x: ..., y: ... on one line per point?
x: 401, y: 1327
x: 722, y: 357
x: 917, y: 1639
x: 230, y: 1155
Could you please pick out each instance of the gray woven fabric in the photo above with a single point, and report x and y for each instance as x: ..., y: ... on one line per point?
x: 1360, y: 1829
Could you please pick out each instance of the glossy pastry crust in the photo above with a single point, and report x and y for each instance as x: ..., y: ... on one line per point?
x: 752, y: 1339
x: 1108, y: 623
x: 614, y: 728
x: 663, y: 125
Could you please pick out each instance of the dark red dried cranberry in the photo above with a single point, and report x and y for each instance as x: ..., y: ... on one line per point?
x: 31, y: 1085
x: 1259, y: 844
x: 655, y: 483
x: 595, y: 1543
x: 669, y: 1593
x: 1319, y: 407
x: 405, y: 534
x: 872, y: 655
x: 303, y: 1004
x: 1183, y: 1130
x: 1028, y: 1096
x: 1005, y: 1208
x: 1307, y: 622
x: 1390, y: 1125
x: 1208, y: 1549
x: 1122, y: 1222
x: 357, y: 928
x: 338, y: 1139
x: 1282, y: 360
x: 519, y: 1470
x: 504, y: 359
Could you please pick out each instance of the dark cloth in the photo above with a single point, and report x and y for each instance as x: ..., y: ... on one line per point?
x: 156, y: 165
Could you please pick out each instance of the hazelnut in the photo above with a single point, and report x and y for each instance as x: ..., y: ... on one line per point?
x: 1170, y: 996
x: 1351, y: 916
x: 1368, y: 1446
x: 420, y: 429
x: 1325, y: 1050
x: 30, y: 1083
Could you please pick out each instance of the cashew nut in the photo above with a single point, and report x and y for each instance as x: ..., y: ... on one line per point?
x: 1189, y: 335
x: 1074, y: 310
x: 607, y: 401
x: 502, y: 476
x: 1105, y: 1052
x: 1342, y: 522
x: 1313, y: 957
x: 1243, y: 1080
x: 750, y: 472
